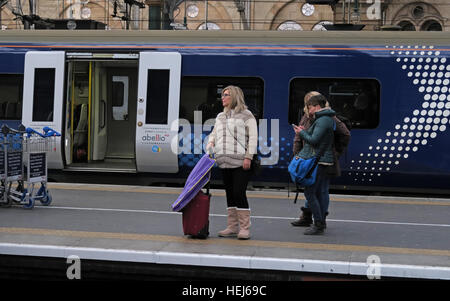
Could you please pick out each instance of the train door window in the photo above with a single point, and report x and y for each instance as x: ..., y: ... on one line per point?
x: 203, y: 94
x: 356, y: 99
x: 157, y: 96
x: 43, y: 94
x: 120, y: 97
x: 11, y: 87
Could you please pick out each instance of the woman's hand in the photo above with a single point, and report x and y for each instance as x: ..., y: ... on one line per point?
x: 210, y: 148
x: 247, y: 164
x: 298, y: 129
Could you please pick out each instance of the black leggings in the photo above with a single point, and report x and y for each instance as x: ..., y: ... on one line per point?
x: 235, y: 181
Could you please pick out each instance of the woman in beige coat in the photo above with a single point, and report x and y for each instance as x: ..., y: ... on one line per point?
x: 234, y: 140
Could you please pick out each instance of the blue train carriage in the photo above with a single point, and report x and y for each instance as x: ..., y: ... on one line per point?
x: 144, y: 102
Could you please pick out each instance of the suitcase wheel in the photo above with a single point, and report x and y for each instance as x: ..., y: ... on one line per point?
x: 203, y: 233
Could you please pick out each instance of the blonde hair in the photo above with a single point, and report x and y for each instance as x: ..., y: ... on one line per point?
x: 237, y: 99
x: 306, y: 99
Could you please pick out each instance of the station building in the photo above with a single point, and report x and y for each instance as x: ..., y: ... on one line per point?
x: 307, y: 15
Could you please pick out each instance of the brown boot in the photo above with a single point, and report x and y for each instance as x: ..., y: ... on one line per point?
x: 232, y: 224
x: 317, y: 228
x: 305, y: 219
x: 244, y: 223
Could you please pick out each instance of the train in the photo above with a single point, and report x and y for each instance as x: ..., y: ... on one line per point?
x: 141, y: 104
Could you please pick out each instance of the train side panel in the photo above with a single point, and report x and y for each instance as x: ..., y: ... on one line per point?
x: 400, y: 145
x: 413, y: 110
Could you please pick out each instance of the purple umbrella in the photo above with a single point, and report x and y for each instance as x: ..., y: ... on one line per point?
x: 198, y: 177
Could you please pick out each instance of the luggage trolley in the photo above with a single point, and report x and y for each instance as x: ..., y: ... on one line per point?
x: 11, y: 166
x: 36, y: 147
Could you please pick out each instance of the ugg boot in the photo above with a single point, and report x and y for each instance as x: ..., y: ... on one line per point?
x: 305, y: 219
x: 316, y: 229
x: 232, y: 224
x: 244, y: 223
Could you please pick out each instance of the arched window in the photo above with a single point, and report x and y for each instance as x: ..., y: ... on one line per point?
x: 407, y: 26
x: 431, y: 25
x: 289, y: 25
x: 319, y: 26
x: 211, y: 26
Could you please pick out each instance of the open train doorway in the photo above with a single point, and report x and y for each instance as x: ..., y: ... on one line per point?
x: 101, y: 114
x: 115, y: 112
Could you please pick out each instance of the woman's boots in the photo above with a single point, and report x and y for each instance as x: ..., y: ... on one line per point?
x: 244, y: 223
x: 305, y: 219
x: 316, y: 229
x: 238, y: 223
x: 232, y: 224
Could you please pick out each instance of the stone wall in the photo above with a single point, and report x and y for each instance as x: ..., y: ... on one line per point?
x: 253, y: 15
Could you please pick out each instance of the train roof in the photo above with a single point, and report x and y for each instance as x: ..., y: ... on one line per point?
x: 225, y: 37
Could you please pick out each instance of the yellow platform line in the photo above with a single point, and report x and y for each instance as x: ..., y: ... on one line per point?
x: 250, y: 195
x: 222, y: 241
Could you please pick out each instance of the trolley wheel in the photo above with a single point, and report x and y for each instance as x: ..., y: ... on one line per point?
x: 6, y: 204
x: 47, y: 199
x: 30, y: 203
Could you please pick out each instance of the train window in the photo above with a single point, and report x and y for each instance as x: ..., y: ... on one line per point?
x: 11, y: 86
x: 157, y: 96
x: 118, y: 88
x: 203, y: 94
x: 356, y: 99
x: 43, y: 96
x: 120, y: 97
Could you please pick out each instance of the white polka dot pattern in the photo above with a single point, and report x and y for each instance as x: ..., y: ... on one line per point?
x: 430, y: 73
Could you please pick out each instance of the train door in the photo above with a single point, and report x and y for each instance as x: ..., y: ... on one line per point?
x: 81, y: 110
x: 157, y: 112
x: 122, y: 113
x: 43, y: 90
x: 100, y: 101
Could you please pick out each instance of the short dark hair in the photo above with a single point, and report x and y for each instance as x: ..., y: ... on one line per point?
x: 317, y: 100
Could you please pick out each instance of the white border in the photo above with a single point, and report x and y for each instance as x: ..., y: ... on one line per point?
x: 228, y: 261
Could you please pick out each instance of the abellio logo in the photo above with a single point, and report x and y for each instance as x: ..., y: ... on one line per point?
x: 154, y: 138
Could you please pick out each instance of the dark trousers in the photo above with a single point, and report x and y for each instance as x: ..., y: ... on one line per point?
x: 235, y: 181
x: 317, y: 195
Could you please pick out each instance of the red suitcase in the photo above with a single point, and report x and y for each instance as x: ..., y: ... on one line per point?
x: 196, y: 216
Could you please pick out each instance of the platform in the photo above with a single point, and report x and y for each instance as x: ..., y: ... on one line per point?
x: 368, y: 236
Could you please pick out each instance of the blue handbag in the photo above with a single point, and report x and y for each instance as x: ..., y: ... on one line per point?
x: 303, y: 171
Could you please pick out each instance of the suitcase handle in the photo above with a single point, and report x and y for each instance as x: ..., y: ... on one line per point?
x: 207, y: 187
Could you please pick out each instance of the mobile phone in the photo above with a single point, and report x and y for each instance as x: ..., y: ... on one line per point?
x: 294, y: 125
